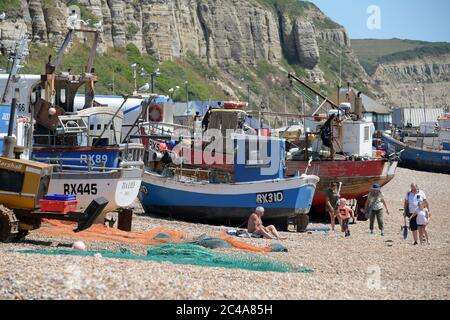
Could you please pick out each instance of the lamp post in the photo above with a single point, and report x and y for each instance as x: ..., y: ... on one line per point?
x: 134, y: 67
x: 340, y: 65
x: 248, y: 89
x: 172, y: 91
x: 186, y: 83
x: 153, y: 75
x: 424, y: 102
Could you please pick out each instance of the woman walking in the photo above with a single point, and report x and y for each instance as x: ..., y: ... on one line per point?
x: 375, y: 206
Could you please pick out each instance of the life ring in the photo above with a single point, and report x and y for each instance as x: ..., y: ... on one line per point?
x: 155, y: 113
x: 234, y: 105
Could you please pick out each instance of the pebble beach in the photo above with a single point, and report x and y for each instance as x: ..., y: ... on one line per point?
x: 362, y: 266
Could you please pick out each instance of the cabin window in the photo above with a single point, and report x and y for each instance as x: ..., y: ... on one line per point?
x: 62, y: 96
x: 91, y: 127
x: 12, y: 181
x: 366, y: 134
x: 254, y: 153
x: 99, y: 127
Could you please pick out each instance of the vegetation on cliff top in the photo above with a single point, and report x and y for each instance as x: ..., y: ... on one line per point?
x: 298, y: 8
x: 372, y: 52
x: 266, y: 83
x: 12, y: 7
x: 417, y: 53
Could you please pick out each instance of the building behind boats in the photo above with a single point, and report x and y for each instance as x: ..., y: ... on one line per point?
x: 415, y: 117
x: 371, y: 110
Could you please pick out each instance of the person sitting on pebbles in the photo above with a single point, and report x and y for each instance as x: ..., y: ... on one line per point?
x: 256, y: 226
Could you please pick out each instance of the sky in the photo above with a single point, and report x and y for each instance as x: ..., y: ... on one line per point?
x: 426, y: 20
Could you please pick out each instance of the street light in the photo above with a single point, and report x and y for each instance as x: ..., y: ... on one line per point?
x: 153, y: 75
x: 424, y: 102
x: 186, y: 83
x: 340, y: 65
x: 134, y: 66
x: 172, y: 91
x: 243, y: 79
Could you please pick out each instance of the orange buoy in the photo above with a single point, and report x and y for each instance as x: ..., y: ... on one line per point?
x: 235, y: 105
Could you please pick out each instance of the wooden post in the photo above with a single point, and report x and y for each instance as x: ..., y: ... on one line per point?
x: 125, y: 220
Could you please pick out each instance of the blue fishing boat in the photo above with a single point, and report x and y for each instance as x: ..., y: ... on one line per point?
x: 178, y: 196
x: 419, y: 158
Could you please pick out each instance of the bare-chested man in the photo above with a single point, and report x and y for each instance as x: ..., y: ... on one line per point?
x: 256, y: 226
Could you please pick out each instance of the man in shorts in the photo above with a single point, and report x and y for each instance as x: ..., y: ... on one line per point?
x: 256, y: 226
x: 412, y: 199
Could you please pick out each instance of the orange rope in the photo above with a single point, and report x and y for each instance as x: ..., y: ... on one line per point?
x: 104, y: 233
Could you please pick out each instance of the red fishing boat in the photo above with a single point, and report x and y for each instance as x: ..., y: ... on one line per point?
x: 356, y: 178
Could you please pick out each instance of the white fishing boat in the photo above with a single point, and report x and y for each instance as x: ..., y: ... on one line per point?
x: 84, y: 145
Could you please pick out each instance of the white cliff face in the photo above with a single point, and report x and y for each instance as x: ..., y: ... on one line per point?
x: 403, y: 80
x: 338, y: 36
x: 216, y: 31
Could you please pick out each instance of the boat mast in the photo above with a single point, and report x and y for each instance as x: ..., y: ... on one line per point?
x: 18, y: 56
x: 326, y: 99
x: 10, y: 140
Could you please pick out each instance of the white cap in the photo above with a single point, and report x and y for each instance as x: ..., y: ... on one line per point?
x: 260, y: 209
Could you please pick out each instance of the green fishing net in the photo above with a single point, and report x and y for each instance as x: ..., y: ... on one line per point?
x: 190, y: 254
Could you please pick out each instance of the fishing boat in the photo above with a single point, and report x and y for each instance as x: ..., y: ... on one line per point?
x: 87, y: 169
x: 84, y: 145
x: 420, y: 156
x: 189, y: 198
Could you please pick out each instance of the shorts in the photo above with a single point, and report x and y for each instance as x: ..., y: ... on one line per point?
x: 256, y: 234
x: 345, y: 223
x: 413, y: 224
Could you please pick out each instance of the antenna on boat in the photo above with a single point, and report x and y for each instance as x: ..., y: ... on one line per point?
x: 19, y: 54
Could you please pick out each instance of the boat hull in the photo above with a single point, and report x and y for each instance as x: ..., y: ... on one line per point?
x: 79, y: 156
x: 226, y: 203
x: 418, y: 159
x: 357, y: 178
x: 119, y: 187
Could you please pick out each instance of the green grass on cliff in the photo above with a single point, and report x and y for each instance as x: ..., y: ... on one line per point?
x: 115, y: 64
x: 372, y: 52
x: 12, y: 8
x: 267, y: 83
x: 294, y: 7
x: 298, y: 8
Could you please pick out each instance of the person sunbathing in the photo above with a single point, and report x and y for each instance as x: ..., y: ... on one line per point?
x: 256, y: 227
